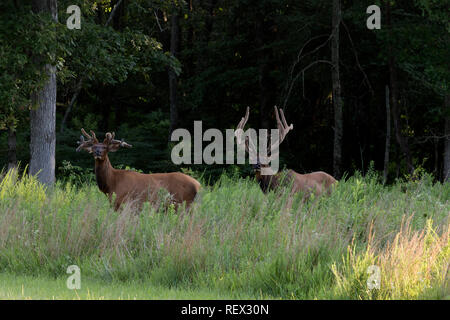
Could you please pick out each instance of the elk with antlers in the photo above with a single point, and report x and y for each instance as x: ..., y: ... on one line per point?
x: 315, y: 182
x: 130, y: 185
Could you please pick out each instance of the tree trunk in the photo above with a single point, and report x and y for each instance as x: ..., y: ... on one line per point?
x: 436, y: 158
x: 388, y: 137
x: 447, y: 142
x: 43, y: 114
x: 401, y: 139
x: 337, y: 99
x: 12, y: 148
x: 173, y: 85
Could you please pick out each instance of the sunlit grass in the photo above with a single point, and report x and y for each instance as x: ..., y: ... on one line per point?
x: 40, y: 287
x: 413, y: 265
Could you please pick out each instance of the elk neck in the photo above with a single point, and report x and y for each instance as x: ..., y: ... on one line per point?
x: 104, y: 174
x: 266, y: 182
x: 273, y: 181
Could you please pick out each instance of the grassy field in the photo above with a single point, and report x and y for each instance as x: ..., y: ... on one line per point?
x: 235, y: 243
x: 25, y: 287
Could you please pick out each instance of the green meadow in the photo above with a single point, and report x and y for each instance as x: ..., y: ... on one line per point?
x: 26, y: 287
x: 234, y: 243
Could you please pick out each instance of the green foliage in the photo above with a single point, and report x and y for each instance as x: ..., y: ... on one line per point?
x: 96, y: 54
x: 437, y: 10
x: 236, y: 240
x: 20, y: 69
x: 75, y: 174
x: 47, y: 288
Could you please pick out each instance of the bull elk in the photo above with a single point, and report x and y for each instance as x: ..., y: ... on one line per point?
x: 130, y: 185
x: 314, y: 182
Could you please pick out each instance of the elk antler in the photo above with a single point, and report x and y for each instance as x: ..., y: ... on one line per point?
x: 91, y: 137
x: 85, y: 144
x: 110, y: 139
x: 283, y: 128
x: 249, y: 145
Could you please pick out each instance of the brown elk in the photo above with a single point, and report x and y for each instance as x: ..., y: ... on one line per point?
x: 130, y: 185
x: 314, y: 182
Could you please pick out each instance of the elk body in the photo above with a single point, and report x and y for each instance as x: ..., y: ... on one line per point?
x: 130, y: 185
x: 311, y: 183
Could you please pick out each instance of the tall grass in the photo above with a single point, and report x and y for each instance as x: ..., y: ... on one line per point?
x: 415, y: 264
x: 235, y: 238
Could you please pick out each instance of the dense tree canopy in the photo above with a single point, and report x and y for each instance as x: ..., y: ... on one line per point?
x: 222, y: 56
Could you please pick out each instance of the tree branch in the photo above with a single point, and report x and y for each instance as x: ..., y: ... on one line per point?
x: 302, y: 72
x: 357, y: 59
x: 111, y: 16
x: 157, y: 21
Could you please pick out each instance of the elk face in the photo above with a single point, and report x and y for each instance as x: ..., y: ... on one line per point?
x: 100, y: 150
x: 258, y: 165
x: 257, y: 168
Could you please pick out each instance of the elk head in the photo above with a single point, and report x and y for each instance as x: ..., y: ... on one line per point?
x: 100, y: 150
x: 262, y: 161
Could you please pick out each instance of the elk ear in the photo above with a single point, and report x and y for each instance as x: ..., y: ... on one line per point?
x: 85, y: 148
x: 113, y: 147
